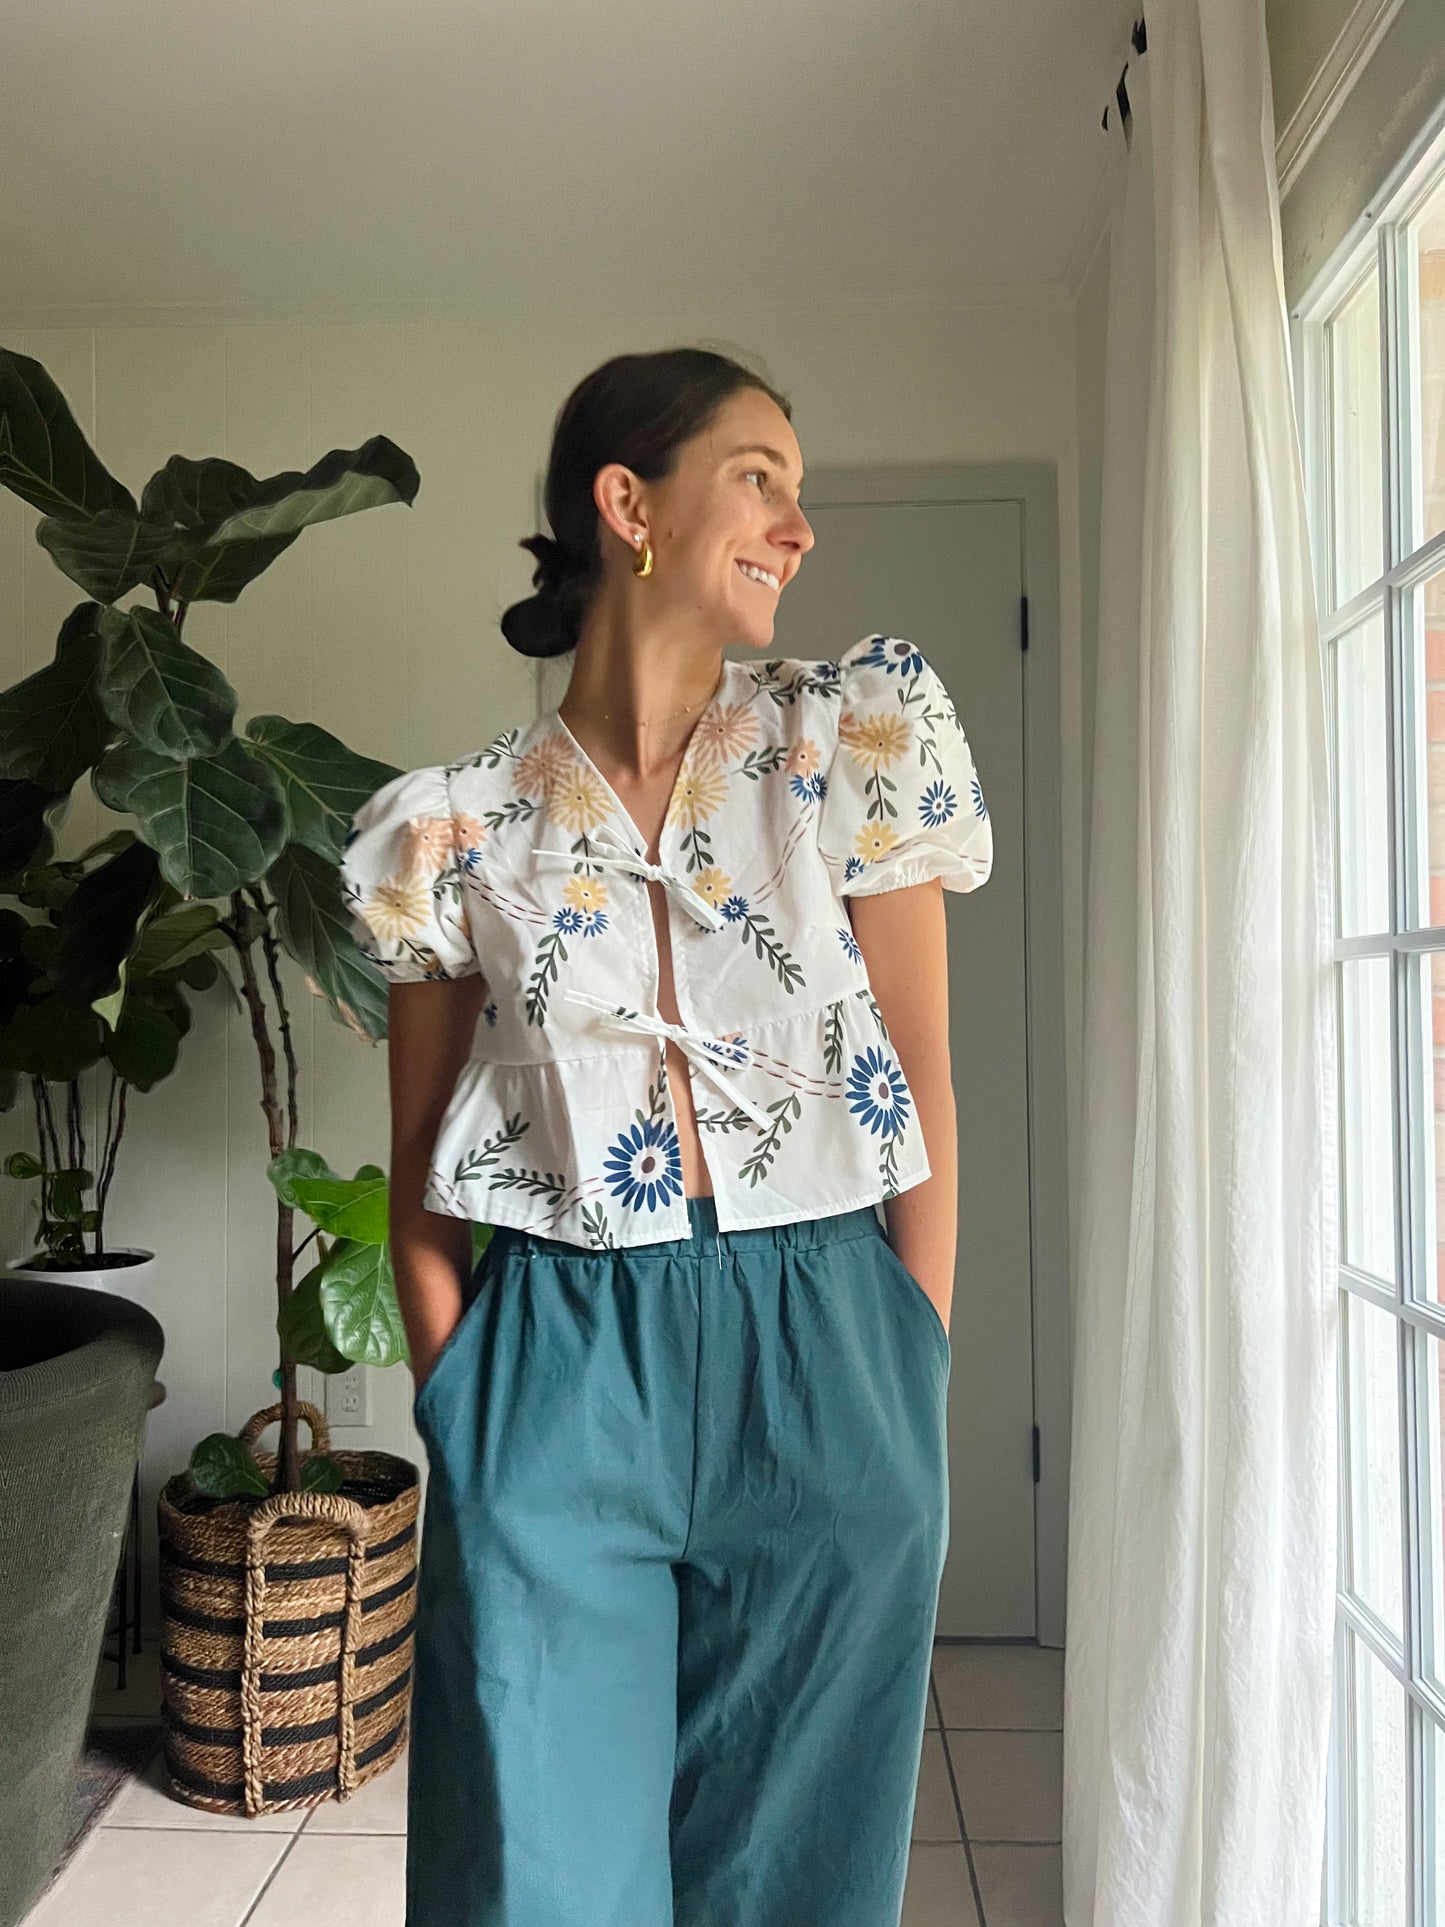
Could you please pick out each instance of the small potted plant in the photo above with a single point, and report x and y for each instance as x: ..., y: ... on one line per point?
x: 55, y: 1031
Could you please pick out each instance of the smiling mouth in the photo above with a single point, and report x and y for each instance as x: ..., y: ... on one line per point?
x: 776, y: 587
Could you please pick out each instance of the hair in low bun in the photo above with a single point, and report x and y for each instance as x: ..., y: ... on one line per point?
x: 548, y: 623
x: 634, y: 409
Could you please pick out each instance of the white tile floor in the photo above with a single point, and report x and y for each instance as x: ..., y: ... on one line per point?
x: 985, y: 1830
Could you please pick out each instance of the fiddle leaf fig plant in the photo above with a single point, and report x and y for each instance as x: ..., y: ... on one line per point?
x: 236, y: 823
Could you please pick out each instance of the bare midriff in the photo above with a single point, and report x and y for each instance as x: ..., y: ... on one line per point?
x: 646, y: 806
x: 696, y: 1180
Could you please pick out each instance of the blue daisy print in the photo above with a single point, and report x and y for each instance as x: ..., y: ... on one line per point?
x: 594, y: 922
x: 471, y: 858
x: 877, y: 1092
x: 937, y: 804
x: 644, y: 1165
x: 567, y: 920
x: 851, y: 868
x: 893, y: 654
x: 808, y: 788
x: 980, y: 808
x: 735, y: 908
x: 850, y: 943
x: 732, y: 1049
x: 489, y: 1011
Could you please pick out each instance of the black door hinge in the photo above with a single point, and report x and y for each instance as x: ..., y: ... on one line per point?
x: 1024, y: 621
x: 1036, y: 1455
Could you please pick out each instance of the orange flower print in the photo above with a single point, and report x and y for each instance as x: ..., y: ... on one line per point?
x: 874, y: 741
x: 699, y: 794
x: 712, y: 884
x: 577, y: 800
x: 585, y: 893
x: 802, y: 759
x: 875, y: 840
x: 471, y: 832
x: 542, y: 765
x: 428, y: 845
x: 398, y: 907
x: 723, y: 733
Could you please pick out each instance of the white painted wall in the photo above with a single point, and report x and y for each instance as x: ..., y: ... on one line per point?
x: 383, y: 629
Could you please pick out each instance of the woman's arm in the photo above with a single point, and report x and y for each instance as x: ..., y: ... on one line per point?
x: 430, y: 1030
x: 904, y: 939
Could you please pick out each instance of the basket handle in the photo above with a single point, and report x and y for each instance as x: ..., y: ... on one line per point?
x: 355, y: 1521
x: 313, y: 1415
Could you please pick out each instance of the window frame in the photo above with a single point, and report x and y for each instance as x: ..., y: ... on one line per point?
x: 1379, y: 245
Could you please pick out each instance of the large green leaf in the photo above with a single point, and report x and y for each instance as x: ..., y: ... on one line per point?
x: 44, y: 458
x: 29, y: 818
x: 145, y: 1045
x: 353, y: 1208
x: 325, y: 782
x: 52, y: 1038
x: 222, y: 1467
x: 159, y: 691
x: 99, y: 924
x: 301, y: 1326
x: 288, y: 1167
x: 315, y: 929
x: 358, y: 1297
x: 108, y: 555
x: 52, y: 726
x: 179, y: 937
x: 216, y: 823
x: 228, y: 526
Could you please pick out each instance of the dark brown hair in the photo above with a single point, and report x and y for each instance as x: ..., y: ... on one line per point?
x: 634, y: 409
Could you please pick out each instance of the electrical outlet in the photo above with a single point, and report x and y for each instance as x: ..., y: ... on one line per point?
x: 348, y: 1397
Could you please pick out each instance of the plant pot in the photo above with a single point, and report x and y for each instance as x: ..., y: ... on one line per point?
x: 287, y: 1631
x: 76, y: 1373
x: 128, y: 1273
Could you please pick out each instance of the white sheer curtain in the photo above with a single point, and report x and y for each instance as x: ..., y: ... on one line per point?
x: 1202, y: 1512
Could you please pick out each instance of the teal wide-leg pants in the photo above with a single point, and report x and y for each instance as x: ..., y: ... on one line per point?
x: 682, y: 1544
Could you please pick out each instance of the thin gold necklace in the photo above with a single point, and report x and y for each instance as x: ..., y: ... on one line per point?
x: 653, y: 721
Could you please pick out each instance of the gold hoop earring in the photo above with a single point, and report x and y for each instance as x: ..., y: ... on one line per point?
x: 642, y: 561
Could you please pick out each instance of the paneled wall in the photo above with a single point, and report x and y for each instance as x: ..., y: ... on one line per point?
x: 382, y: 628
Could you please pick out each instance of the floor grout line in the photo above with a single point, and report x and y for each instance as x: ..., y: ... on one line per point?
x: 267, y: 1883
x: 957, y: 1804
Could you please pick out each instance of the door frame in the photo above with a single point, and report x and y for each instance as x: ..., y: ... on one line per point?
x: 1033, y: 487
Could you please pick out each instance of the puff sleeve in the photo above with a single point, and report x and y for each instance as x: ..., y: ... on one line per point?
x: 902, y: 802
x: 402, y: 882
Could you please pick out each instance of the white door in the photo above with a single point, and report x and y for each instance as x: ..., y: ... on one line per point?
x: 948, y: 575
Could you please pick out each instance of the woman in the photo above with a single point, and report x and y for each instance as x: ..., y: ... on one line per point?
x: 668, y: 1011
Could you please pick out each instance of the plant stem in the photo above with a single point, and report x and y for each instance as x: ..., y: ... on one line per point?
x: 272, y: 952
x: 114, y: 1126
x: 287, y: 1467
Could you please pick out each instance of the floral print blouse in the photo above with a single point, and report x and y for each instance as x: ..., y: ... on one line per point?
x: 803, y: 783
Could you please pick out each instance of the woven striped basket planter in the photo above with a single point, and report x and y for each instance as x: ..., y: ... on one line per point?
x: 287, y: 1628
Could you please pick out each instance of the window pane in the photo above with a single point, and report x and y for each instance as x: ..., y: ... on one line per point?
x: 1432, y: 1523
x: 1433, y: 1903
x: 1426, y: 1002
x: 1365, y: 1137
x: 1372, y: 1460
x: 1422, y: 645
x: 1380, y: 1792
x: 1361, y: 785
x: 1425, y: 258
x: 1356, y: 496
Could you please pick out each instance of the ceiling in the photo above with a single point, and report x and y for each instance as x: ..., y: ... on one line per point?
x: 317, y: 157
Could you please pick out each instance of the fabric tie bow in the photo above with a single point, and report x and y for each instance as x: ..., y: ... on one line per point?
x: 626, y: 858
x: 714, y: 1057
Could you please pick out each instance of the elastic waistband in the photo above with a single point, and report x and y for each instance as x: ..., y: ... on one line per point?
x: 704, y: 1237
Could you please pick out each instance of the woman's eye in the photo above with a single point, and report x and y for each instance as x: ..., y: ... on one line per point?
x: 757, y: 471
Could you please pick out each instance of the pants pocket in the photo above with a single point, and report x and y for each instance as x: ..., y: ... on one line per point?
x: 923, y: 1304
x: 472, y: 1292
